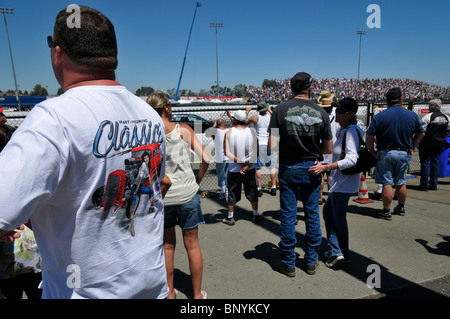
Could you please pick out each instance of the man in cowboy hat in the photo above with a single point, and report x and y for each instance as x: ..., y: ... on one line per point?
x: 266, y: 157
x: 325, y: 99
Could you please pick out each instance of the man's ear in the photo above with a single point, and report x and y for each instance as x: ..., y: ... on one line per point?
x: 60, y: 55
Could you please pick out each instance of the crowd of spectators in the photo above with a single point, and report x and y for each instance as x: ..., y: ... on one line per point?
x: 361, y: 90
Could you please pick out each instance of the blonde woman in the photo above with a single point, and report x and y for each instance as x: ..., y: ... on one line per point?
x: 181, y: 202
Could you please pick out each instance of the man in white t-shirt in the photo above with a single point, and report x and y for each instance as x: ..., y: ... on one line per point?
x: 241, y: 147
x: 69, y: 169
x: 266, y: 157
x: 217, y: 133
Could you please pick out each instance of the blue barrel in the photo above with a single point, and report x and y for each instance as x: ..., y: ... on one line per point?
x: 444, y: 167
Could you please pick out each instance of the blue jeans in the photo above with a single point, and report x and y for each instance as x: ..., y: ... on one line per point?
x: 429, y: 167
x: 222, y: 171
x: 294, y: 178
x: 335, y: 217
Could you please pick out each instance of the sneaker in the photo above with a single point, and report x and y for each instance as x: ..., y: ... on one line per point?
x: 334, y: 261
x: 327, y: 254
x: 256, y: 218
x: 223, y: 196
x: 290, y: 272
x: 399, y: 210
x: 377, y: 196
x: 311, y: 270
x: 273, y: 191
x: 260, y: 192
x: 422, y: 188
x: 432, y: 188
x: 385, y: 214
x: 228, y: 221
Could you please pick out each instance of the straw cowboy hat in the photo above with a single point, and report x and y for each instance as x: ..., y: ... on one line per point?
x: 325, y: 99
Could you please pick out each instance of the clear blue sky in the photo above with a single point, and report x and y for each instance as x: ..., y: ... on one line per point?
x: 260, y: 39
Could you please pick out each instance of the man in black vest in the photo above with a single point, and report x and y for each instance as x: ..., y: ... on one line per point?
x: 437, y: 129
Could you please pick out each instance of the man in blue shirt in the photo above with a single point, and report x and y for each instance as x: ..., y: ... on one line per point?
x: 397, y: 132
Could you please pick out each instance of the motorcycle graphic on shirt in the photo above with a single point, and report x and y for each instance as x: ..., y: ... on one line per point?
x: 118, y: 192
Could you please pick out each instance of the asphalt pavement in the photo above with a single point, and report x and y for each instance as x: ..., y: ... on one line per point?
x: 406, y: 257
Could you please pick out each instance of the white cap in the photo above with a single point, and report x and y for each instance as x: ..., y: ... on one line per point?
x: 240, y: 115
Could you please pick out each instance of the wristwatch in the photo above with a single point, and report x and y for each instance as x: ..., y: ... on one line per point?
x: 328, y: 168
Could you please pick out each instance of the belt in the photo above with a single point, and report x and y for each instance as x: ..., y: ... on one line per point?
x: 398, y: 149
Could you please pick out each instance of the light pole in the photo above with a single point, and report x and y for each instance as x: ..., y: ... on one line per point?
x: 360, y: 33
x: 11, y: 11
x: 217, y: 25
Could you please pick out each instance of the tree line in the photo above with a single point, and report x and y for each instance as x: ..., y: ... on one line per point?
x: 239, y: 90
x: 37, y: 90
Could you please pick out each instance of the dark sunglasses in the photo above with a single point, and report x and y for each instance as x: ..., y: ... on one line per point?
x: 341, y: 110
x: 52, y: 44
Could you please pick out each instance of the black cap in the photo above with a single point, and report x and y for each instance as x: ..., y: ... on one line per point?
x: 393, y: 94
x: 349, y: 104
x: 300, y: 82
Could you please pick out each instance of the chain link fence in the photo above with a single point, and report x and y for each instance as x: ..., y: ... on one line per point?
x: 213, y: 112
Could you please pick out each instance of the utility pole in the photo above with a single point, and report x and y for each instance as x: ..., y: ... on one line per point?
x: 360, y: 33
x: 217, y: 25
x: 199, y: 4
x: 11, y: 11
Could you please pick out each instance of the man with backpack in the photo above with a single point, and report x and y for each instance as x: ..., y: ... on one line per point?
x: 437, y: 128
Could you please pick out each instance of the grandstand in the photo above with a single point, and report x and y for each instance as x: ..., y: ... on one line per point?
x: 363, y: 90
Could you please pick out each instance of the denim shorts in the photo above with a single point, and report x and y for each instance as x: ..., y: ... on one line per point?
x: 265, y: 158
x: 392, y: 167
x: 222, y: 171
x: 187, y: 216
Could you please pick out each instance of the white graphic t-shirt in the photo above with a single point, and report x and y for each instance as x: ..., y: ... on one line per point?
x: 70, y: 167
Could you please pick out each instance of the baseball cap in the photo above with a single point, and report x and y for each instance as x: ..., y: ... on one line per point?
x: 300, y: 82
x: 349, y: 104
x: 393, y: 94
x: 240, y: 115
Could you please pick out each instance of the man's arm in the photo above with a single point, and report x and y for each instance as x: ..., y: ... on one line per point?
x: 370, y: 142
x: 327, y: 147
x: 226, y: 148
x: 418, y: 137
x: 252, y: 120
x: 8, y: 236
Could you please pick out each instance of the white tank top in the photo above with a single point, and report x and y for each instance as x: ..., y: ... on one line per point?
x: 261, y: 129
x: 178, y: 168
x: 241, y: 145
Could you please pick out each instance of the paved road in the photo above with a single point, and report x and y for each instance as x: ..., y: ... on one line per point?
x: 406, y: 257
